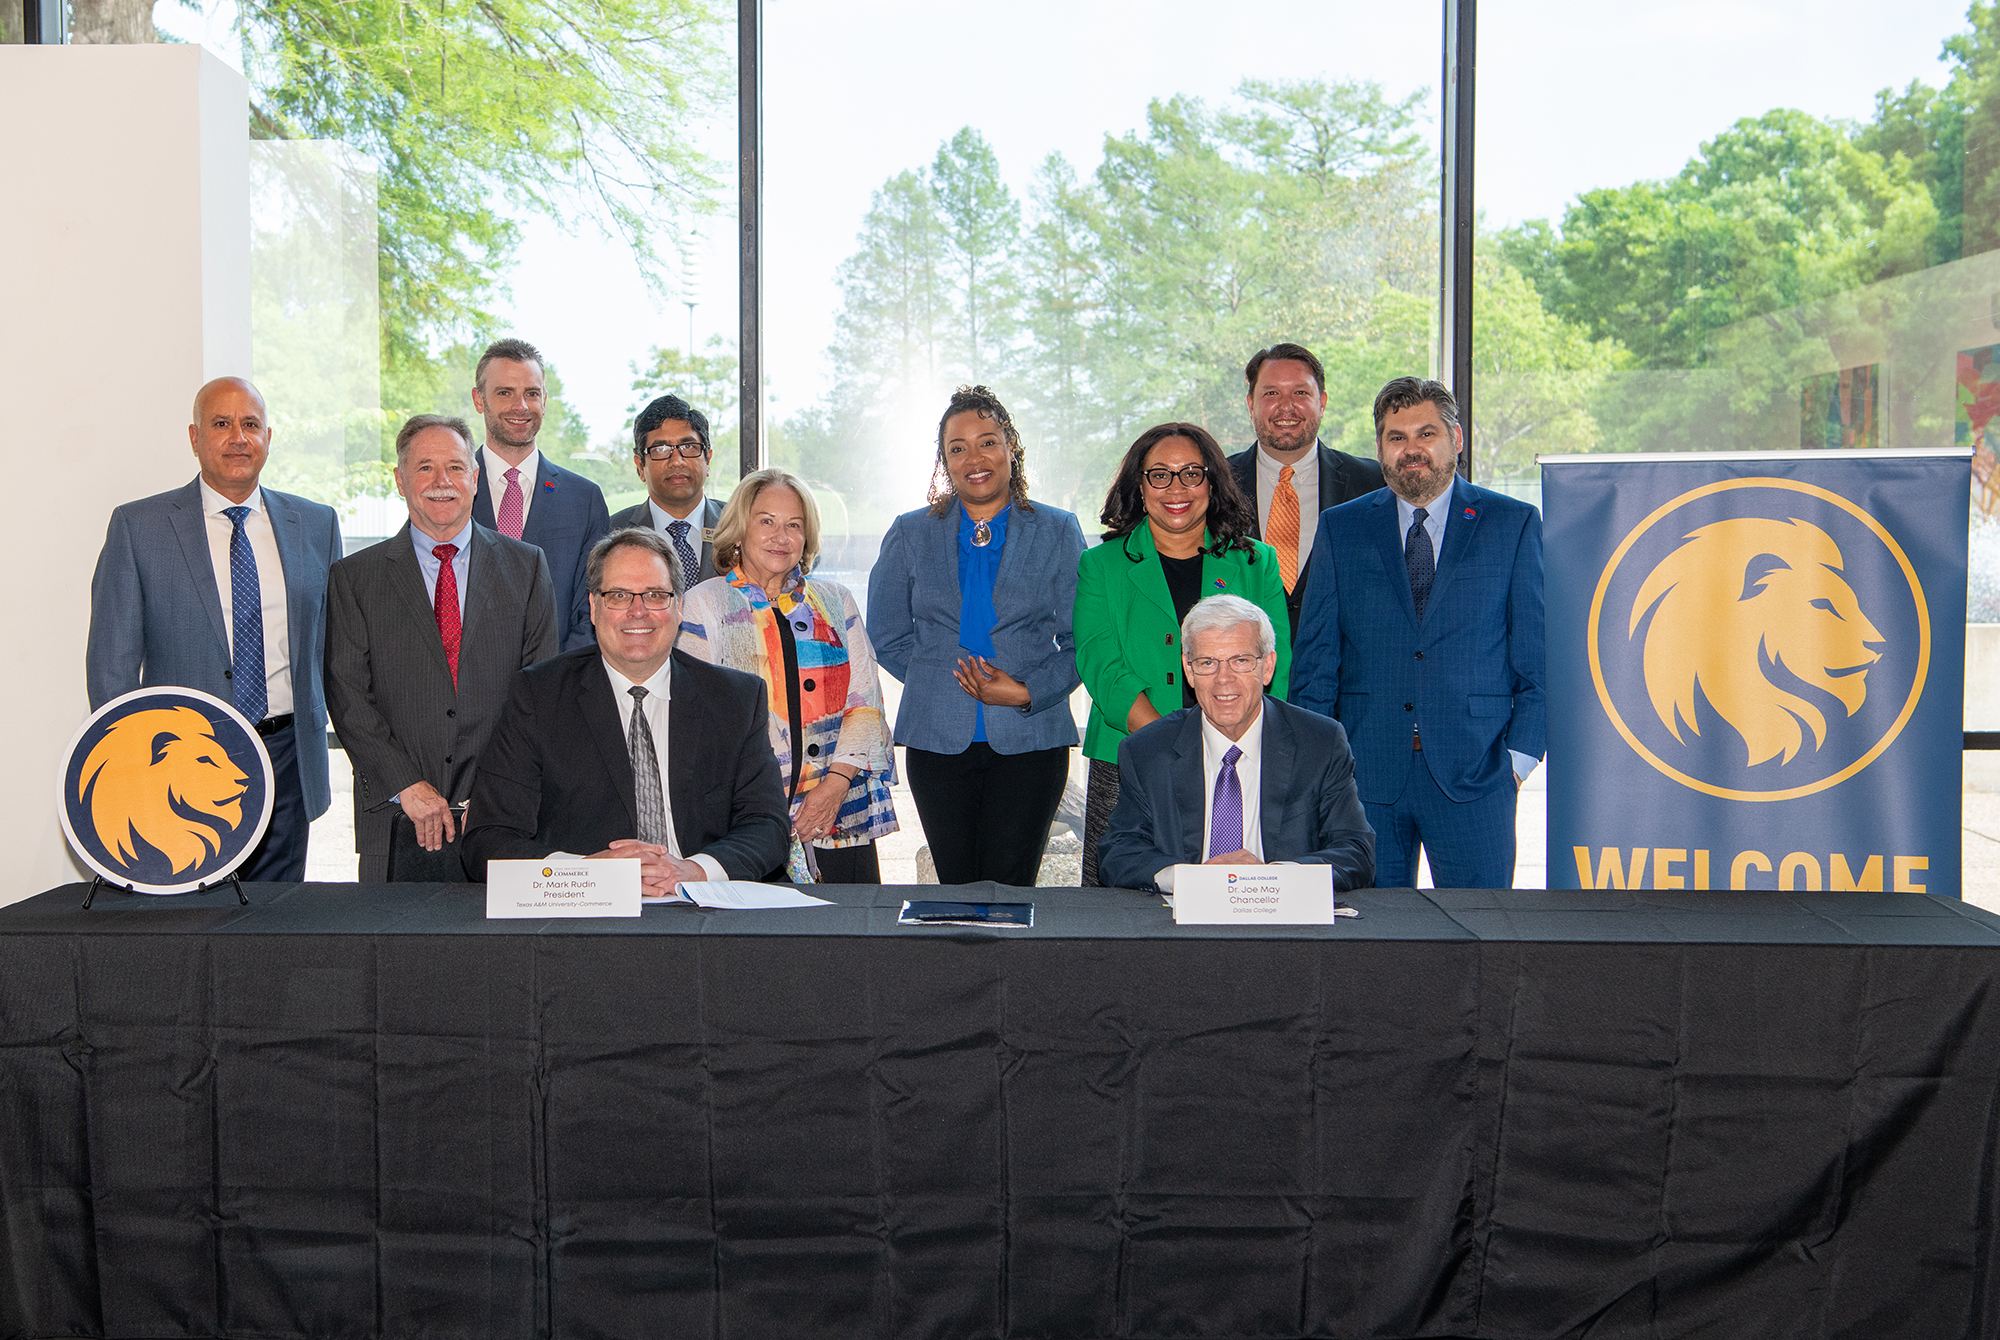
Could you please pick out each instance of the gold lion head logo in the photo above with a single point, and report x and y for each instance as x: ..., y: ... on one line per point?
x: 157, y: 775
x: 1737, y: 599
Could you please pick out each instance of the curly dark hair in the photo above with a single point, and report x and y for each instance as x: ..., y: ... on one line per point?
x: 987, y: 405
x: 1232, y: 518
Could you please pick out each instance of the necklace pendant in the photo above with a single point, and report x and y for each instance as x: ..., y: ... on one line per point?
x: 982, y: 535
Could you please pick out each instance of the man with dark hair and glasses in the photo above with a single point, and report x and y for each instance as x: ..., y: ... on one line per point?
x: 1241, y: 778
x: 671, y: 450
x: 629, y: 749
x: 1289, y: 473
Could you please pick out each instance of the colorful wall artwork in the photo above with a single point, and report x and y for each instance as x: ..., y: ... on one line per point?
x: 1840, y: 409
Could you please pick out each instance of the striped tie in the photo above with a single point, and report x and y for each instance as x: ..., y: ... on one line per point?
x: 1283, y: 532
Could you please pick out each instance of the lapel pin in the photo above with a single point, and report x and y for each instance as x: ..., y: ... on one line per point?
x: 1471, y: 512
x: 1220, y: 583
x: 548, y: 486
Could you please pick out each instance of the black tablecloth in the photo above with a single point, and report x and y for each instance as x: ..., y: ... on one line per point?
x: 361, y: 1111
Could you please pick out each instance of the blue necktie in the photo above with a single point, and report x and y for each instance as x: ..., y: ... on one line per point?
x: 690, y: 565
x: 246, y: 599
x: 1421, y: 562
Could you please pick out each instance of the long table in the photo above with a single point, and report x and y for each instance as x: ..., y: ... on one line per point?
x: 367, y: 1111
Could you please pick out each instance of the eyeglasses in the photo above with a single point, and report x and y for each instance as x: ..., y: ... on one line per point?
x: 1208, y: 665
x: 1193, y: 476
x: 662, y: 451
x: 622, y: 600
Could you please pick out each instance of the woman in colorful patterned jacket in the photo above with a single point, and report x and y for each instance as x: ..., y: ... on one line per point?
x: 804, y: 638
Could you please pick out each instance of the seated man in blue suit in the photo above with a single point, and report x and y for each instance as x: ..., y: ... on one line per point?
x: 220, y: 585
x: 525, y: 496
x: 1421, y: 631
x: 1240, y: 779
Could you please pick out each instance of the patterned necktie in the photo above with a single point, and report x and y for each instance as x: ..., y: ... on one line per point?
x: 447, y: 606
x: 1225, y: 816
x: 510, y: 506
x: 689, y: 563
x: 1283, y: 532
x: 651, y: 805
x: 246, y: 599
x: 1421, y: 562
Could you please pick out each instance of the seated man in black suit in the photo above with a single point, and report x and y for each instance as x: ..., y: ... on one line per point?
x: 1240, y: 779
x: 627, y: 749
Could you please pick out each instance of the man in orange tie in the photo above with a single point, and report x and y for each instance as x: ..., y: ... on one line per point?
x: 1289, y: 472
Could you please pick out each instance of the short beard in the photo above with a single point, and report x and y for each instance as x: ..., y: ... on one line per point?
x: 1429, y: 485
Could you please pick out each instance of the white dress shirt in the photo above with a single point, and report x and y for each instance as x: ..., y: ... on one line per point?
x: 1437, y: 513
x: 662, y: 518
x: 659, y: 689
x: 496, y: 480
x: 1305, y: 479
x: 1249, y: 776
x: 270, y: 586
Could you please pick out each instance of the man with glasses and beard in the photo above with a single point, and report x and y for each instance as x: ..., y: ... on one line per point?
x: 1242, y: 778
x: 1421, y: 632
x: 627, y: 749
x: 671, y: 451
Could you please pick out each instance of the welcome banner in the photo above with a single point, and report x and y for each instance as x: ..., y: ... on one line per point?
x: 1756, y: 670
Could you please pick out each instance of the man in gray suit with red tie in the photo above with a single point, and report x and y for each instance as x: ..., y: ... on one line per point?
x: 524, y: 495
x: 221, y: 586
x: 424, y: 634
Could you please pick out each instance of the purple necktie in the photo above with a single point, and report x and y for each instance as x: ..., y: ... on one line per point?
x: 511, y: 506
x: 1225, y: 820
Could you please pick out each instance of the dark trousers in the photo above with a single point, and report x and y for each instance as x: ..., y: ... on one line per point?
x: 1100, y: 797
x: 987, y: 815
x: 848, y: 865
x: 281, y: 856
x: 1470, y: 842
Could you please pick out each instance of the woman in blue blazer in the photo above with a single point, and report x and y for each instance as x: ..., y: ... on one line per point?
x: 969, y: 606
x: 1177, y: 528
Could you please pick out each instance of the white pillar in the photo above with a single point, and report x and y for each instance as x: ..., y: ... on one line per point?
x: 128, y: 232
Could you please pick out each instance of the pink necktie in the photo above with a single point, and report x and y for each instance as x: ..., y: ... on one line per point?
x: 510, y: 506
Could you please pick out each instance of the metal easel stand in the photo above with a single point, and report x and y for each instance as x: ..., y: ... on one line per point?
x: 100, y: 882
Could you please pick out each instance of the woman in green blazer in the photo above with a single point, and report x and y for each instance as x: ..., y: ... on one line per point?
x: 1177, y: 528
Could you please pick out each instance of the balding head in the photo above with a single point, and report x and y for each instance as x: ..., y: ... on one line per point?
x: 231, y: 436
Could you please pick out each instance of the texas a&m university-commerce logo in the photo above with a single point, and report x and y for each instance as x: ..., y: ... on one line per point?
x: 165, y: 790
x: 1755, y: 673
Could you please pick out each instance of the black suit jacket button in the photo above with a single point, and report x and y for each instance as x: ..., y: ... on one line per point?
x: 447, y: 758
x: 453, y: 711
x: 229, y: 674
x: 1409, y: 707
x: 1420, y: 656
x: 812, y: 750
x: 808, y: 686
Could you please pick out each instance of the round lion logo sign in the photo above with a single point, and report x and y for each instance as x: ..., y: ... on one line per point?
x: 165, y: 790
x: 1759, y: 639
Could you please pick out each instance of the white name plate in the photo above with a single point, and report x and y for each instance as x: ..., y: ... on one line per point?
x: 1253, y: 895
x: 562, y: 886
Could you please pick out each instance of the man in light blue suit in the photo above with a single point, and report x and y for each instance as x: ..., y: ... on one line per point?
x: 221, y: 586
x: 525, y: 496
x: 1423, y: 636
x: 1240, y: 779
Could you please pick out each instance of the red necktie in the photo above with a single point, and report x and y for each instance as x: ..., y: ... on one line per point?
x: 447, y: 606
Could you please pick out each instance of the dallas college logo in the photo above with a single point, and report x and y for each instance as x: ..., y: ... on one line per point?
x: 165, y: 789
x: 1759, y: 639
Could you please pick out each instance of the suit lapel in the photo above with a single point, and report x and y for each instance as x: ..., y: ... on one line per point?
x: 406, y: 579
x: 1389, y: 542
x: 1458, y: 536
x: 1244, y: 467
x: 482, y: 497
x: 606, y: 725
x: 544, y: 486
x: 1148, y: 578
x: 711, y: 517
x: 685, y: 722
x: 292, y: 558
x: 1280, y: 749
x: 1189, y: 787
x: 192, y: 530
x: 1329, y: 481
x: 1021, y: 525
x: 482, y: 602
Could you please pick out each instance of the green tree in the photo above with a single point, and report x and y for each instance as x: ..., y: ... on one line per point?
x: 1535, y: 375
x: 981, y: 224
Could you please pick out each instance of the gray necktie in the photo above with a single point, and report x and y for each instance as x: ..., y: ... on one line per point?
x: 651, y: 805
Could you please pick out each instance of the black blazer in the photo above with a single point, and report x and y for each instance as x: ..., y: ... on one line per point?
x: 1342, y: 478
x: 557, y: 775
x: 1307, y: 802
x: 640, y: 514
x: 388, y: 688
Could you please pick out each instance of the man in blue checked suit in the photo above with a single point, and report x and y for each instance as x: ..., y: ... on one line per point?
x: 1423, y: 636
x: 524, y: 495
x: 221, y: 586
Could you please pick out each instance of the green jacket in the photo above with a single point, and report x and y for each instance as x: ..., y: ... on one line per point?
x: 1128, y: 641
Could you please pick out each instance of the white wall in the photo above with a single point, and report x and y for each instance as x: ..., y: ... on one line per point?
x: 128, y: 232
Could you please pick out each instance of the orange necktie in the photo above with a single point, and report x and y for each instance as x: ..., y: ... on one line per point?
x: 1283, y: 532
